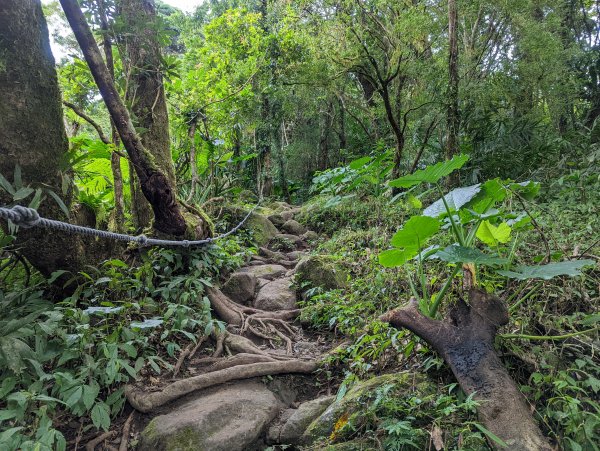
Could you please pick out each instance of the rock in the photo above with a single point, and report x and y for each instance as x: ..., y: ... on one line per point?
x: 277, y: 220
x: 320, y: 271
x: 259, y: 225
x: 276, y: 295
x: 310, y: 236
x: 292, y: 430
x: 260, y: 258
x: 274, y: 255
x: 262, y: 229
x: 263, y: 271
x: 285, y: 242
x: 359, y: 397
x: 240, y: 287
x: 230, y: 418
x: 274, y: 430
x: 247, y: 196
x: 280, y: 206
x: 295, y: 255
x: 293, y: 227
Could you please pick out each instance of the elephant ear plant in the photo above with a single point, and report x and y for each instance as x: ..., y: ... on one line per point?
x: 472, y: 215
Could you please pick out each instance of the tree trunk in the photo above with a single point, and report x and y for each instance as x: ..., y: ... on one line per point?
x: 325, y: 127
x: 156, y: 185
x: 453, y: 118
x: 115, y: 159
x: 465, y: 340
x: 32, y: 133
x: 193, y: 163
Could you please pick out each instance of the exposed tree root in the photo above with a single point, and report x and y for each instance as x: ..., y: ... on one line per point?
x: 125, y: 434
x: 465, y: 341
x: 235, y: 360
x: 188, y: 352
x: 259, y: 323
x: 91, y: 445
x: 146, y: 402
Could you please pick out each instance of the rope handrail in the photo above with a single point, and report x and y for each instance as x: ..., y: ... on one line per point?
x: 28, y: 217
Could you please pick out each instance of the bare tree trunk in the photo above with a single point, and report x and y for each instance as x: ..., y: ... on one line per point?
x: 453, y: 119
x: 32, y: 133
x: 280, y: 143
x: 193, y: 163
x: 465, y: 340
x: 156, y: 185
x: 326, y: 122
x: 115, y: 159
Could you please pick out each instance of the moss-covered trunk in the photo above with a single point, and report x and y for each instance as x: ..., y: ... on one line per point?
x: 145, y: 94
x: 32, y: 133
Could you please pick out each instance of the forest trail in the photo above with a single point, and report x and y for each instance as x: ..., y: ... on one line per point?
x: 218, y: 397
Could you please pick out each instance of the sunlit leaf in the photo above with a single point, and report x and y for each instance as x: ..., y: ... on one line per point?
x: 493, y: 235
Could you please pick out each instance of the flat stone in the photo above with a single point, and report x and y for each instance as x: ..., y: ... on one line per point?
x: 231, y: 418
x: 240, y: 287
x: 269, y: 272
x: 276, y: 295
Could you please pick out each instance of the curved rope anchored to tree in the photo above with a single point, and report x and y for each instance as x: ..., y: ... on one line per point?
x: 28, y: 217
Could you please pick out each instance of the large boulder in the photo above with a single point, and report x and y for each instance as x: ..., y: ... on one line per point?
x: 258, y: 225
x: 321, y: 271
x: 262, y: 229
x: 240, y: 287
x: 293, y: 227
x: 276, y: 295
x: 360, y: 396
x: 263, y: 271
x: 231, y: 418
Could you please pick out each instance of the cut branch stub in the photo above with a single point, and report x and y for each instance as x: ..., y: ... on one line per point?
x: 465, y: 339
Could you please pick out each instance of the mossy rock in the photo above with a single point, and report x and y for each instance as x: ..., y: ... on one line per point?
x: 247, y: 196
x: 358, y: 398
x: 259, y: 225
x: 321, y: 271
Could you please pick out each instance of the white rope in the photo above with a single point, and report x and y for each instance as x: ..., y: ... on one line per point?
x: 28, y: 217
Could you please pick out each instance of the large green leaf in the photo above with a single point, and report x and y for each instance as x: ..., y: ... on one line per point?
x: 567, y: 268
x: 493, y: 235
x: 460, y: 254
x: 431, y: 174
x: 409, y: 240
x: 415, y: 232
x: 396, y: 257
x: 455, y: 200
x: 492, y: 192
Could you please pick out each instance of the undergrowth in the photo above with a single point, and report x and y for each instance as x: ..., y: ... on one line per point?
x: 64, y: 361
x: 560, y: 377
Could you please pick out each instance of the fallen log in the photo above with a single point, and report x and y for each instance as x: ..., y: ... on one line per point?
x: 465, y: 340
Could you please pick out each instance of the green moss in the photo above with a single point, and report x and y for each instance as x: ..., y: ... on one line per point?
x: 359, y: 397
x: 186, y: 438
x: 321, y: 271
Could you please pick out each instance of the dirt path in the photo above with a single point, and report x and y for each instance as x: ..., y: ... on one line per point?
x: 219, y: 400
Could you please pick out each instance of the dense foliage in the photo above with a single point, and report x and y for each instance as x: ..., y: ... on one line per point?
x: 339, y: 105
